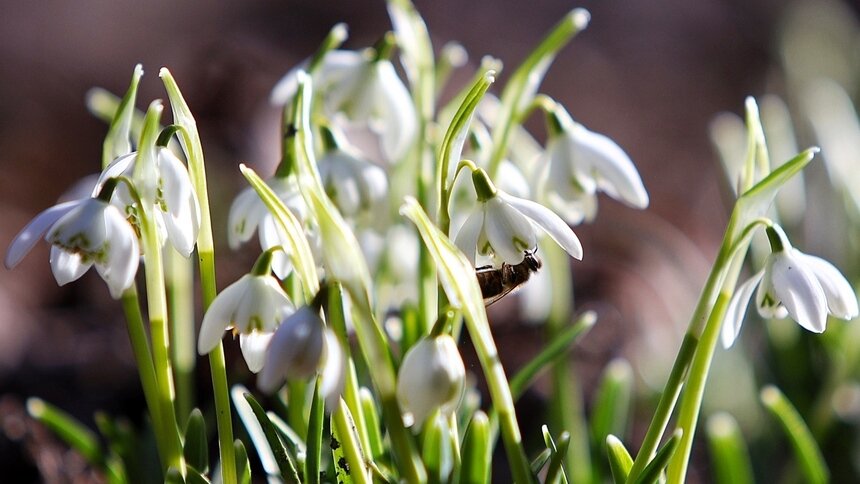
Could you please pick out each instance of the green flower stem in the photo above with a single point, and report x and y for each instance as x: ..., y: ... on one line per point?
x: 524, y: 81
x: 688, y: 414
x: 145, y: 367
x: 190, y: 141
x: 156, y: 293
x: 180, y: 298
x: 567, y: 401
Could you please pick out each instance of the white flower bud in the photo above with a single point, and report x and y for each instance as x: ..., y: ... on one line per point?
x: 431, y: 376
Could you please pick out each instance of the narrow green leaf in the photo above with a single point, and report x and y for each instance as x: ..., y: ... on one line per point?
x: 612, y: 402
x: 655, y: 468
x: 620, y: 461
x: 729, y: 456
x: 432, y: 449
x: 806, y: 450
x: 371, y: 419
x: 196, y: 445
x: 299, y: 250
x: 255, y: 430
x: 349, y: 458
x: 243, y: 464
x: 292, y: 439
x: 540, y: 461
x: 286, y: 466
x: 71, y: 431
x: 412, y: 37
x: 476, y: 453
x: 193, y: 476
x: 558, y: 450
x: 118, y: 139
x: 555, y: 349
x: 173, y: 476
x: 315, y: 431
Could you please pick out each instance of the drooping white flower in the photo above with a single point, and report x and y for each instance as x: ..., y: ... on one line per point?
x: 803, y: 287
x: 169, y: 186
x: 578, y: 163
x: 365, y: 88
x: 504, y: 227
x: 431, y: 376
x: 249, y: 213
x: 83, y: 233
x: 301, y: 347
x: 352, y: 182
x: 253, y: 307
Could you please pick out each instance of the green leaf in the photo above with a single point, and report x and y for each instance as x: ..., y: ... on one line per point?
x: 756, y: 201
x: 346, y: 449
x: 655, y: 468
x: 412, y: 37
x: 806, y: 450
x: 620, y: 461
x: 540, y: 461
x: 286, y: 466
x: 729, y: 457
x: 476, y: 454
x: 315, y: 431
x: 255, y: 430
x: 612, y: 402
x: 371, y: 419
x: 196, y: 446
x: 243, y: 464
x: 299, y: 249
x: 555, y: 349
x: 193, y: 476
x: 173, y: 476
x: 118, y: 139
x: 558, y: 450
x: 67, y: 428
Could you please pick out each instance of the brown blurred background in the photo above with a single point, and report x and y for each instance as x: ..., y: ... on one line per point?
x: 650, y: 74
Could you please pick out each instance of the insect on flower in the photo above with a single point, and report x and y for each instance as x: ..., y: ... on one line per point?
x: 498, y: 283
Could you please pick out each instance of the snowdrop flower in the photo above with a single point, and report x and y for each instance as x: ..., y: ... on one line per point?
x: 804, y: 287
x: 302, y: 347
x: 252, y: 307
x: 83, y: 233
x: 432, y: 376
x: 364, y: 87
x: 578, y: 163
x: 504, y: 226
x: 169, y: 186
x: 352, y: 182
x: 249, y: 213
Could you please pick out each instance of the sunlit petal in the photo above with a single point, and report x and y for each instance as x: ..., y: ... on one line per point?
x: 253, y: 347
x: 551, y: 223
x: 33, y: 231
x: 737, y: 309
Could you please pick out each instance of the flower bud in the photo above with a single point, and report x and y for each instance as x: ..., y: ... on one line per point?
x: 295, y: 351
x: 431, y: 376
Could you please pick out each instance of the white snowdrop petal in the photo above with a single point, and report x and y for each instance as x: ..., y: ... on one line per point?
x: 295, y: 350
x: 551, y: 223
x: 33, y: 231
x: 220, y: 315
x: 67, y: 266
x: 83, y: 227
x: 431, y: 376
x: 333, y: 374
x: 610, y: 165
x: 182, y: 218
x: 737, y: 310
x: 799, y: 291
x: 244, y: 216
x: 271, y: 235
x: 841, y: 298
x: 509, y: 232
x: 123, y: 253
x: 253, y: 347
x: 467, y: 238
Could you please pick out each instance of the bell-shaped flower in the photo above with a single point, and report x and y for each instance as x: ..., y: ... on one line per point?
x: 249, y: 213
x: 365, y: 88
x: 504, y: 227
x: 803, y: 287
x: 169, y: 188
x: 578, y: 163
x: 83, y: 233
x: 302, y: 347
x: 431, y: 377
x: 252, y: 307
x: 352, y: 182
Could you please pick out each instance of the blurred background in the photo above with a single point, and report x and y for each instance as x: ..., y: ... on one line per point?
x: 651, y: 75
